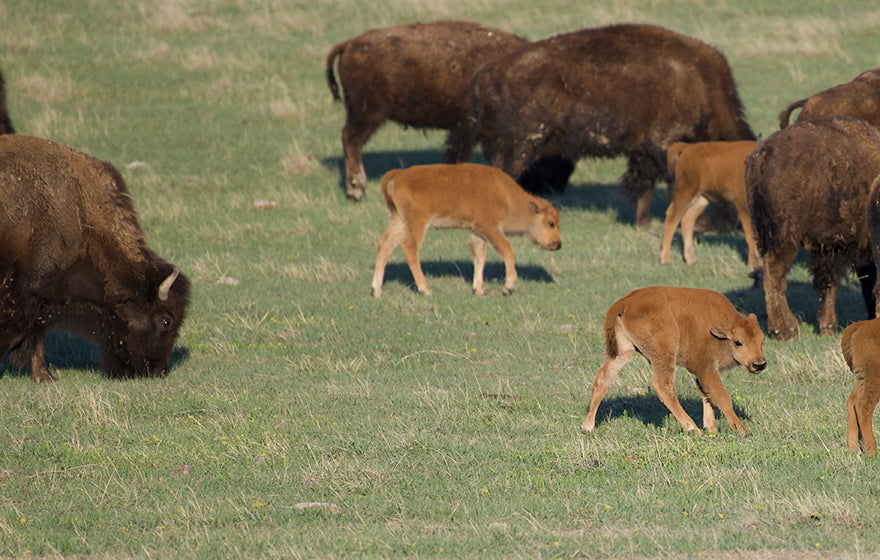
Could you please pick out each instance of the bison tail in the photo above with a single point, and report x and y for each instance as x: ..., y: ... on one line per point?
x: 388, y: 189
x: 334, y: 53
x: 762, y: 220
x: 846, y: 344
x: 614, y: 315
x: 785, y: 115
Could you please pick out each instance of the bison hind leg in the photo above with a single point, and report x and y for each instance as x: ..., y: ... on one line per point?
x: 611, y: 366
x: 31, y: 354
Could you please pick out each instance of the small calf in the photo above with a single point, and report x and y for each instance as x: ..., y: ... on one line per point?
x: 704, y: 172
x: 697, y: 329
x: 477, y: 198
x: 860, y: 345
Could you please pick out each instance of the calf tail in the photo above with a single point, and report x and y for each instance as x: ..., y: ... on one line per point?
x: 615, y: 314
x: 334, y: 53
x: 786, y: 113
x: 388, y: 189
x: 672, y: 154
x: 846, y: 344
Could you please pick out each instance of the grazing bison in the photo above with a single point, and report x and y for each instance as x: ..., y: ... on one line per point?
x: 702, y: 172
x: 859, y: 99
x: 469, y: 196
x: 699, y: 330
x: 623, y: 89
x: 416, y: 74
x: 860, y: 344
x: 72, y: 255
x: 807, y: 186
x: 5, y: 123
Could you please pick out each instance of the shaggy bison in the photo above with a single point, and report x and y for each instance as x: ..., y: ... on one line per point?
x: 469, y: 196
x: 5, y: 123
x: 623, y: 89
x: 860, y: 344
x: 72, y: 255
x: 416, y: 75
x: 807, y: 186
x: 699, y: 330
x: 702, y: 172
x: 859, y: 99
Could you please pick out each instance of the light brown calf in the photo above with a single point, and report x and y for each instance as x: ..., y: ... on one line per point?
x: 697, y: 329
x: 704, y: 172
x: 480, y: 199
x: 860, y: 344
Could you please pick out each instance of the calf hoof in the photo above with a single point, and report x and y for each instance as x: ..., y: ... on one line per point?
x: 426, y: 292
x: 587, y: 426
x: 507, y: 291
x: 479, y: 292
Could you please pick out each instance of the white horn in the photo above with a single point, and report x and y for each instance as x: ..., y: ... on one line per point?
x: 165, y: 286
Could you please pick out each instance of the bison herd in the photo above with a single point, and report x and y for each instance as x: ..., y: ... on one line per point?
x: 73, y: 256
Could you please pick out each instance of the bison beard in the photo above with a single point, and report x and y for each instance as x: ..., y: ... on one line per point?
x: 628, y: 90
x: 73, y: 256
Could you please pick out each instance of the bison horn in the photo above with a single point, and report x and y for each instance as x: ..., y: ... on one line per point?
x: 165, y: 286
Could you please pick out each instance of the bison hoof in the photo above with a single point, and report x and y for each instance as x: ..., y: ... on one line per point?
x: 784, y: 334
x: 828, y: 329
x: 479, y: 292
x: 41, y: 376
x: 507, y: 291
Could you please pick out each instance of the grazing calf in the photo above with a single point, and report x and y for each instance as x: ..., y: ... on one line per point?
x: 477, y: 198
x: 697, y: 329
x: 703, y: 172
x: 860, y: 345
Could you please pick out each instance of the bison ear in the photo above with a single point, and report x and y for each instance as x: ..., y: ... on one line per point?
x: 718, y: 333
x: 534, y: 207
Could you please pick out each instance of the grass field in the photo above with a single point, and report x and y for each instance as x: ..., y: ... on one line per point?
x: 303, y: 418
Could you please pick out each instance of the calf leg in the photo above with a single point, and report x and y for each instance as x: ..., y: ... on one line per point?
x: 781, y: 322
x: 712, y: 387
x: 852, y: 421
x: 387, y: 242
x: 708, y: 410
x: 505, y: 249
x: 688, y: 222
x: 478, y: 252
x: 415, y: 233
x: 607, y: 373
x: 826, y: 281
x: 664, y: 379
x: 867, y: 394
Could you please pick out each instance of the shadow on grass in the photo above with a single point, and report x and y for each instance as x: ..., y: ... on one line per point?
x: 650, y: 411
x: 377, y: 164
x: 69, y: 351
x: 493, y: 272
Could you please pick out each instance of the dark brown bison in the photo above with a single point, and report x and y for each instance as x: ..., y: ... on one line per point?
x: 623, y: 89
x: 5, y: 123
x: 72, y: 255
x: 807, y: 186
x: 859, y: 99
x: 417, y: 75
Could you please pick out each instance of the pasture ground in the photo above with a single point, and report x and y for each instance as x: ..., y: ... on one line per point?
x: 304, y: 419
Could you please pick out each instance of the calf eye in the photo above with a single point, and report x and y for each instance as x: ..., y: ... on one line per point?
x: 737, y: 343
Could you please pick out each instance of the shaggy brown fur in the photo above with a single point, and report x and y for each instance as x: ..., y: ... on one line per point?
x: 5, y: 123
x: 624, y: 89
x: 72, y: 255
x: 859, y: 99
x: 807, y: 186
x: 704, y: 172
x: 416, y: 75
x: 477, y: 198
x: 699, y: 330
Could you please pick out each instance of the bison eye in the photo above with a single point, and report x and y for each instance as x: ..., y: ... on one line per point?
x: 166, y: 322
x: 551, y: 224
x: 737, y: 343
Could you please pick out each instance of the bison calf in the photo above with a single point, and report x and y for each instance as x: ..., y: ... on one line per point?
x: 704, y: 172
x: 72, y: 255
x: 697, y: 329
x: 807, y: 186
x: 416, y: 74
x: 860, y: 344
x: 477, y: 198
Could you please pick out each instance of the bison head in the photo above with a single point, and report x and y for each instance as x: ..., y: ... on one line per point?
x: 746, y: 339
x: 140, y: 333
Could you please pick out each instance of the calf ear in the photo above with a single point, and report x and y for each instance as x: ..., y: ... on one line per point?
x: 718, y: 333
x: 534, y: 208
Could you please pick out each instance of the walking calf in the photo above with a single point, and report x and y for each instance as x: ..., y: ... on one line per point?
x: 860, y: 345
x: 706, y: 171
x: 477, y: 198
x: 697, y: 329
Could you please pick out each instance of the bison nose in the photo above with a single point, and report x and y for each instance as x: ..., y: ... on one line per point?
x: 759, y: 366
x: 556, y: 246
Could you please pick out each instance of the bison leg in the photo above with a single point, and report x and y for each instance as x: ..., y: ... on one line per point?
x: 867, y: 275
x: 781, y: 322
x: 852, y: 421
x: 479, y: 253
x: 31, y: 353
x: 712, y: 388
x: 354, y: 135
x: 607, y: 373
x: 459, y: 145
x: 826, y: 281
x: 415, y: 233
x: 866, y: 398
x: 746, y: 221
x: 505, y: 249
x: 387, y: 242
x: 663, y: 383
x: 708, y: 410
x: 688, y: 222
x: 638, y: 184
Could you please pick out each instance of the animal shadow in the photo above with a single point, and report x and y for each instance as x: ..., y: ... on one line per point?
x: 377, y: 164
x: 649, y: 410
x: 609, y: 197
x: 70, y: 351
x: 493, y: 272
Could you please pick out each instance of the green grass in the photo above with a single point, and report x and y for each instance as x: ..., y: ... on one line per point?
x: 302, y: 418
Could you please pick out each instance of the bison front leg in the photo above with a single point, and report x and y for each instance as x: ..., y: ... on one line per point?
x: 354, y: 135
x: 714, y: 391
x: 638, y: 185
x: 32, y: 354
x: 781, y: 322
x: 505, y: 249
